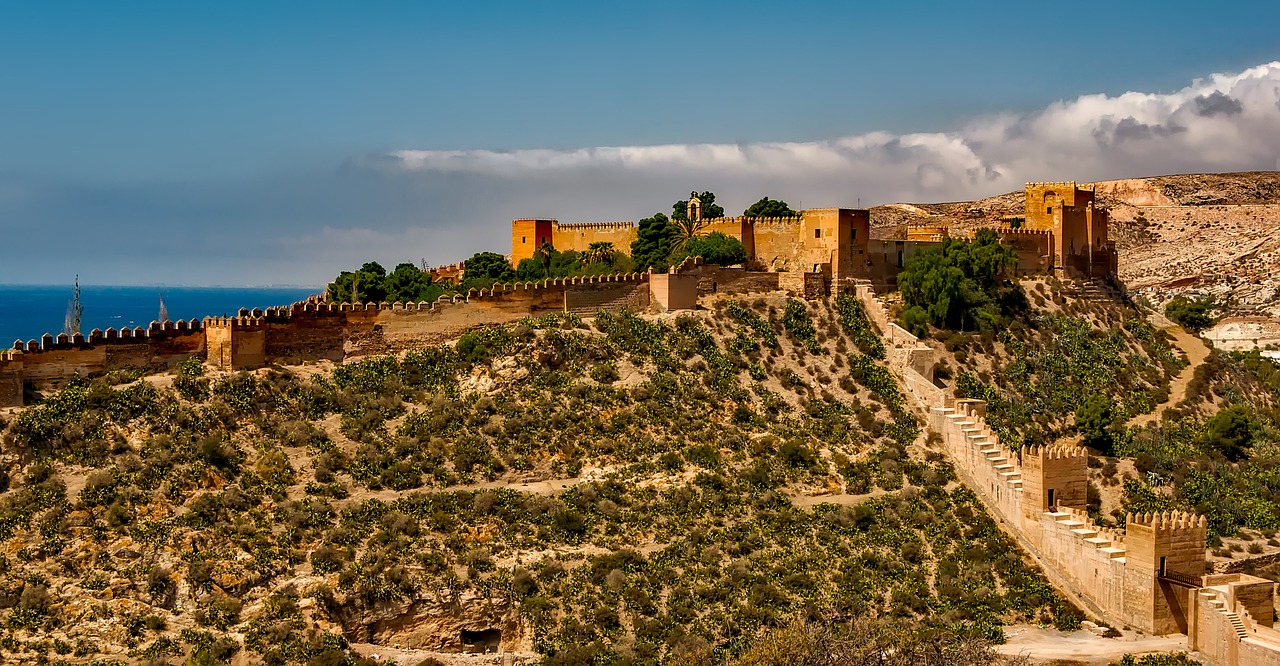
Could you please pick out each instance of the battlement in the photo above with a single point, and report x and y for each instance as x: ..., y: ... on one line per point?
x: 592, y: 226
x: 1055, y: 452
x: 1088, y: 187
x: 126, y: 335
x: 1168, y: 520
x: 689, y: 264
x: 241, y: 322
x: 766, y: 221
x: 1019, y: 231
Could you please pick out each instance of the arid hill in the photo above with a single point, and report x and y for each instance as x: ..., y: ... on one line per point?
x: 1208, y: 233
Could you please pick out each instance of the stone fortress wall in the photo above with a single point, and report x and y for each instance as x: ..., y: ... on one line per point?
x: 317, y: 330
x: 1150, y: 575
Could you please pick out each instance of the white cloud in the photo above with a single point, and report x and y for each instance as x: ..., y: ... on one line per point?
x: 1222, y: 122
x: 304, y: 226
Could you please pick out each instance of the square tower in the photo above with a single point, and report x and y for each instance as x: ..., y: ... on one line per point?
x: 1054, y: 476
x: 528, y: 234
x: 1164, y: 564
x: 834, y: 242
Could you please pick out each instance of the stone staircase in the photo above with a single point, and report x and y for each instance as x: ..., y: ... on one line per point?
x: 1218, y: 603
x: 1089, y: 289
x: 978, y: 436
x: 1080, y: 526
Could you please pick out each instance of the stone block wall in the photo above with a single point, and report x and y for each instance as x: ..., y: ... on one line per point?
x: 720, y: 280
x: 160, y: 345
x: 236, y: 342
x: 11, y: 379
x: 674, y: 291
x: 586, y: 298
x: 777, y: 243
x: 579, y: 237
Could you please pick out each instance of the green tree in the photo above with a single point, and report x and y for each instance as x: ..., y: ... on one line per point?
x: 488, y: 266
x: 714, y: 248
x: 1191, y: 314
x: 654, y: 240
x: 767, y: 207
x: 1230, y: 432
x: 600, y: 252
x: 543, y: 254
x: 364, y: 285
x: 1096, y: 420
x: 959, y: 283
x: 408, y: 283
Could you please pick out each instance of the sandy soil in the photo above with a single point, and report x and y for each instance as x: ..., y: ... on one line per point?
x: 1043, y: 645
x: 1196, y: 352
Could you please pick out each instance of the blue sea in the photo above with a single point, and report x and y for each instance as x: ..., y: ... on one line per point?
x: 29, y: 311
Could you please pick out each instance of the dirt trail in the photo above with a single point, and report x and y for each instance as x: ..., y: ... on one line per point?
x: 1047, y: 645
x: 1196, y: 352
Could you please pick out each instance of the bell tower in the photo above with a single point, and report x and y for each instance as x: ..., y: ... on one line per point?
x: 695, y: 207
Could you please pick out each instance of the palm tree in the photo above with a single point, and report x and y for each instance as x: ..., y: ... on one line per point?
x: 599, y: 252
x: 543, y: 254
x: 686, y: 229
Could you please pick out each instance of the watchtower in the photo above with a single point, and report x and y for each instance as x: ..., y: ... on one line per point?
x: 1054, y: 476
x: 1164, y: 564
x: 527, y: 235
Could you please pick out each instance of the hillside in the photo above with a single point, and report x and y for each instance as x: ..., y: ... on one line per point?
x: 1210, y: 233
x: 624, y: 488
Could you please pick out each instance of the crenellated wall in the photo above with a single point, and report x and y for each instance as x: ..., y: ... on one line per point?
x: 579, y: 237
x: 1149, y: 576
x: 52, y: 358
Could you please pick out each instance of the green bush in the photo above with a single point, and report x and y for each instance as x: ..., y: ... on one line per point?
x: 959, y: 284
x: 1191, y: 314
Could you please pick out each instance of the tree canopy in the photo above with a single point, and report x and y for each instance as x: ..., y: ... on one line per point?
x: 372, y: 283
x: 599, y: 259
x: 710, y: 209
x: 714, y: 248
x: 654, y: 240
x: 958, y: 284
x: 767, y: 207
x: 1191, y: 314
x: 488, y: 266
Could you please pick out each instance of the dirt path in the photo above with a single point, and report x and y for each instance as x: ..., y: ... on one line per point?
x: 1047, y: 645
x: 1196, y: 352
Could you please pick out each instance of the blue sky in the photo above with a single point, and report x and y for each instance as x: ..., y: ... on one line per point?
x: 279, y: 142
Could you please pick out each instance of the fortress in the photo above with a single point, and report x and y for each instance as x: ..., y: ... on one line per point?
x: 816, y: 252
x: 1150, y: 575
x: 1062, y: 231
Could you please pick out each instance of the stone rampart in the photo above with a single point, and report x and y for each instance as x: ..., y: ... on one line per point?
x: 721, y: 280
x: 579, y: 237
x: 157, y: 346
x: 11, y: 378
x: 1149, y: 576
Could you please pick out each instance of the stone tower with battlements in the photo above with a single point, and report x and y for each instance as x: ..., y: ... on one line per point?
x: 1164, y: 562
x: 1078, y: 226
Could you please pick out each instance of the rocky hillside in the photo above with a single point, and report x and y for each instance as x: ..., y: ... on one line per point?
x: 620, y: 489
x: 1209, y: 233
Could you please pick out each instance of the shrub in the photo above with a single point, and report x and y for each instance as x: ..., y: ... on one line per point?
x: 1191, y: 314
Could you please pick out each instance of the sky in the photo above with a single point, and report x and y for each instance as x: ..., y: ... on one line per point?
x: 249, y: 143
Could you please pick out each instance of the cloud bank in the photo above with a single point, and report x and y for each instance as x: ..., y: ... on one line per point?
x: 441, y: 206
